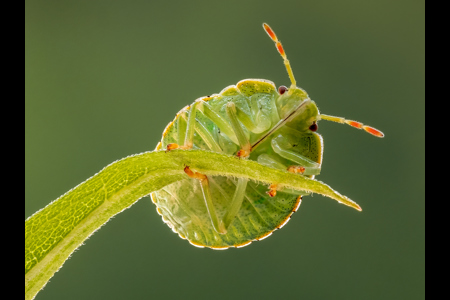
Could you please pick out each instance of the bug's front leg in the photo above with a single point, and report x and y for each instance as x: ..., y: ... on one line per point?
x: 296, y: 169
x: 301, y: 164
x: 269, y: 161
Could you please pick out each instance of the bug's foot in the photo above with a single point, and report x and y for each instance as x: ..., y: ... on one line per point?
x: 272, y: 190
x: 243, y: 153
x: 173, y: 146
x: 296, y: 169
x: 195, y: 175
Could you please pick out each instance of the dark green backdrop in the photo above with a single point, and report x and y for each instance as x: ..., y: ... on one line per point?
x: 103, y: 78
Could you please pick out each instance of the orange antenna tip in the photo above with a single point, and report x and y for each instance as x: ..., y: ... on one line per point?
x: 354, y: 124
x: 373, y: 131
x: 369, y: 129
x: 270, y: 32
x: 280, y: 49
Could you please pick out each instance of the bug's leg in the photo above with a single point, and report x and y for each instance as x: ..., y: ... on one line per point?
x: 181, y: 130
x: 172, y: 146
x: 200, y: 129
x: 260, y: 124
x: 190, y: 127
x: 244, y: 143
x: 187, y: 129
x: 207, y: 137
x: 236, y: 202
x: 269, y: 161
x: 272, y: 190
x: 181, y: 127
x: 282, y: 147
x: 204, y: 183
x: 220, y: 122
x: 296, y: 169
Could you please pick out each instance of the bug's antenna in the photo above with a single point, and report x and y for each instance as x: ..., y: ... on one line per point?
x: 280, y: 49
x: 371, y: 130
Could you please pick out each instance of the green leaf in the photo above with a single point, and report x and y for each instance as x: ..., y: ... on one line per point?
x: 54, y: 232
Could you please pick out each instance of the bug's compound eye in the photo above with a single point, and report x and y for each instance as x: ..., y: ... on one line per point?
x: 313, y: 127
x: 282, y: 89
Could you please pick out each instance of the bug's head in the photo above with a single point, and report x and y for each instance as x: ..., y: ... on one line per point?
x: 295, y: 107
x: 297, y: 111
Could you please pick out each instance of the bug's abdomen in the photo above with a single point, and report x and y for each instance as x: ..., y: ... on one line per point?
x: 182, y: 207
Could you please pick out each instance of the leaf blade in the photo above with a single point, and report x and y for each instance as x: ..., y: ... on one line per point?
x: 54, y: 232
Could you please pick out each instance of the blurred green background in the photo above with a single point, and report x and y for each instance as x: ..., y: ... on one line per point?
x: 103, y: 78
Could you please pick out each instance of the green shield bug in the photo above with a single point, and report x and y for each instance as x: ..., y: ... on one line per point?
x: 252, y: 120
